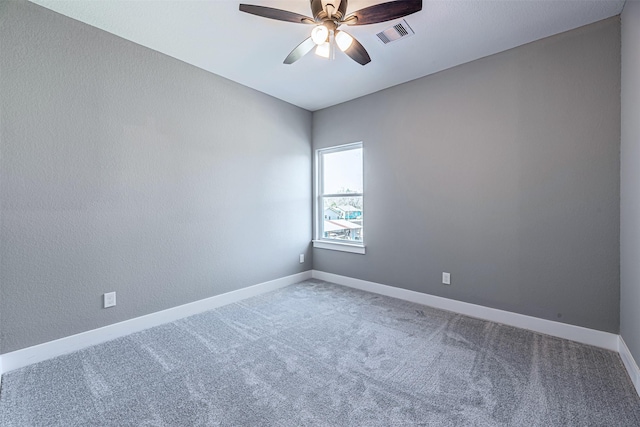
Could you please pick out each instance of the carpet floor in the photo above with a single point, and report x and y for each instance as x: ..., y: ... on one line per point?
x: 318, y: 354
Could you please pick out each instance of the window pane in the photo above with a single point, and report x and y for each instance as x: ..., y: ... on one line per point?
x: 342, y: 218
x: 342, y: 172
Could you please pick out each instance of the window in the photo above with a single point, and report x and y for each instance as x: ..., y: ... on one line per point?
x: 339, y: 203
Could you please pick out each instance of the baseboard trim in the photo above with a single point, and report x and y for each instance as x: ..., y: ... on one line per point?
x: 629, y: 363
x: 38, y: 353
x: 601, y: 339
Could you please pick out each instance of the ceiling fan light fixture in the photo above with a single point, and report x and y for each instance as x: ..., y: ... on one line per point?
x: 327, y: 18
x: 319, y: 34
x: 343, y: 40
x: 324, y: 50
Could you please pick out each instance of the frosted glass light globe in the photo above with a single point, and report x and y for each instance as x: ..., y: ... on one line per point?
x: 343, y: 40
x: 319, y: 34
x: 323, y: 50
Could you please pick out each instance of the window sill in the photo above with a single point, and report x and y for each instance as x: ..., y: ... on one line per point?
x: 339, y: 246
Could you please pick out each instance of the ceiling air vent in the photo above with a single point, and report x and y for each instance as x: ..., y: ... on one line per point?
x: 399, y: 31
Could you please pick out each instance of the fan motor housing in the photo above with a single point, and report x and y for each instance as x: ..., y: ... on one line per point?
x: 318, y: 9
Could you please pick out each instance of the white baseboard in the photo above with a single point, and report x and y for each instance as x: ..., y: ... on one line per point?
x: 630, y: 364
x: 601, y: 339
x: 27, y: 356
x: 38, y: 353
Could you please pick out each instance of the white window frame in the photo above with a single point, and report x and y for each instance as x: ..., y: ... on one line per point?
x: 321, y: 242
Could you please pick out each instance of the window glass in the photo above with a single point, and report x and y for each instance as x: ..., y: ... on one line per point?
x: 341, y: 194
x: 342, y: 172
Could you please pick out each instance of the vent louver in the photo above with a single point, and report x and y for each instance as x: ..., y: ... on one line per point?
x: 396, y: 32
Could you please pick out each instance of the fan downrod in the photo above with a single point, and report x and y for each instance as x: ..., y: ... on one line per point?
x: 329, y: 12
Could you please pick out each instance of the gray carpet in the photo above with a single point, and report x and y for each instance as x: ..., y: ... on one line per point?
x: 317, y: 354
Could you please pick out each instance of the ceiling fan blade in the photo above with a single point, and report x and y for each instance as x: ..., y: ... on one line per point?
x: 278, y: 14
x: 383, y: 12
x: 301, y: 50
x: 357, y: 52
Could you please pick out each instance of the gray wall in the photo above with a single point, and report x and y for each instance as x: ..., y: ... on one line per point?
x: 503, y: 172
x: 630, y: 180
x: 125, y: 170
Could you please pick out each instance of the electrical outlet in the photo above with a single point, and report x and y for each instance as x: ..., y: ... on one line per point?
x: 109, y: 299
x: 301, y: 258
x: 446, y: 278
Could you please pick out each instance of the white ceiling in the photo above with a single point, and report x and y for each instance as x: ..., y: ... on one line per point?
x: 216, y: 36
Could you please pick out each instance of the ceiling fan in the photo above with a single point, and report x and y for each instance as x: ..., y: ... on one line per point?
x: 328, y: 16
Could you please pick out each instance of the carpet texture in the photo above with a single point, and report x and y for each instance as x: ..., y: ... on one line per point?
x: 317, y: 354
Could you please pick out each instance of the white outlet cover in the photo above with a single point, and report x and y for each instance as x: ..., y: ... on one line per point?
x: 446, y: 278
x: 109, y: 299
x: 301, y: 258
